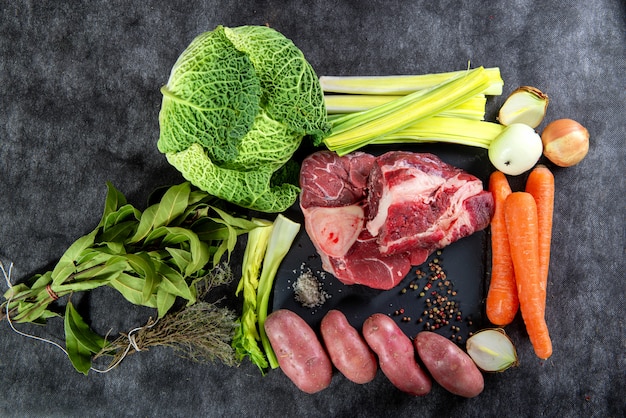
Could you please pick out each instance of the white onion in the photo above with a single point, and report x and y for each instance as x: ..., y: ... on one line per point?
x: 525, y: 105
x: 492, y: 350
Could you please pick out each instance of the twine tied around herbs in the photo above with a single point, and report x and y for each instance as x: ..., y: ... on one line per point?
x: 132, y: 343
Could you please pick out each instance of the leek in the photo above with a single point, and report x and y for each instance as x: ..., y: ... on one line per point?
x: 266, y: 248
x: 355, y: 130
x: 337, y: 104
x: 402, y: 84
x: 446, y: 129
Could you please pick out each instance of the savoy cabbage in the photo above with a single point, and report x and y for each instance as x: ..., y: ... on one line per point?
x: 237, y: 105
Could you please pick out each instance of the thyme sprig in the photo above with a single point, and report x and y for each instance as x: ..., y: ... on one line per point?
x: 201, y: 332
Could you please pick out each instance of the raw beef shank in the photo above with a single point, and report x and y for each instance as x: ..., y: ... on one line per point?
x: 372, y: 218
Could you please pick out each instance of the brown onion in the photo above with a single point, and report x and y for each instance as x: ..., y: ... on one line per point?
x: 565, y: 142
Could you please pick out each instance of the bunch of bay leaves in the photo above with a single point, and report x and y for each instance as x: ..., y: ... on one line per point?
x: 153, y: 258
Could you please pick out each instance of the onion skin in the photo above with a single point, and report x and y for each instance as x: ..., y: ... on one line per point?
x: 565, y: 142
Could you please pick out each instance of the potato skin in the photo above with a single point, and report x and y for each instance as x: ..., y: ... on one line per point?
x: 449, y: 365
x: 298, y: 350
x: 348, y: 351
x: 396, y: 355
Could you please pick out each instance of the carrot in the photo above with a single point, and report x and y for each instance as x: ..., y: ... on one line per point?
x: 502, y: 301
x: 540, y: 184
x: 520, y: 214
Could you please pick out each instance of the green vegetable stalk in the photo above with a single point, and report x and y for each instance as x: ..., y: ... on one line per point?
x: 283, y: 235
x: 247, y: 335
x: 355, y: 130
x: 401, y: 85
x: 266, y: 248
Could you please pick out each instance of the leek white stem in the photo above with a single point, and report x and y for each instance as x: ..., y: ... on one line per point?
x: 401, y: 84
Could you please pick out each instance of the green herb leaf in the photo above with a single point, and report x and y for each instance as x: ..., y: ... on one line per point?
x: 44, y: 316
x: 84, y: 285
x: 30, y: 312
x: 200, y: 254
x: 165, y: 300
x: 119, y: 233
x: 65, y: 267
x: 173, y: 204
x: 131, y: 288
x: 16, y: 291
x: 219, y: 252
x: 93, y: 256
x: 113, y: 202
x: 86, y: 337
x: 143, y: 266
x: 116, y: 247
x: 114, y: 265
x: 42, y: 280
x: 120, y: 215
x: 80, y: 341
x: 78, y: 355
x: 209, y: 230
x: 146, y: 223
x: 197, y: 196
x: 241, y: 223
x: 156, y: 234
x: 174, y: 283
x: 181, y: 258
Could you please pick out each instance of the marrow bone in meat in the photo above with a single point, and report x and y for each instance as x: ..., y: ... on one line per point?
x: 372, y: 218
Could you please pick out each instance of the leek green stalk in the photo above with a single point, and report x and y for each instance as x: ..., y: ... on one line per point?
x: 284, y: 232
x: 246, y: 336
x: 446, y: 129
x: 339, y: 104
x: 401, y: 84
x: 356, y: 130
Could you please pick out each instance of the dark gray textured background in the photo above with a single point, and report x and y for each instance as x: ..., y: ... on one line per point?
x: 79, y: 101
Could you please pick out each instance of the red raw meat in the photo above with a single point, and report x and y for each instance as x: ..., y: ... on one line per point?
x: 329, y: 181
x: 418, y: 201
x: 372, y: 218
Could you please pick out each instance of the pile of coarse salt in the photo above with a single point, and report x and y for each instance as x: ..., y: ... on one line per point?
x: 308, y: 290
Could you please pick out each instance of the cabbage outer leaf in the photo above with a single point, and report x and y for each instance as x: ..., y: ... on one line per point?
x: 249, y: 189
x: 211, y: 98
x: 291, y: 92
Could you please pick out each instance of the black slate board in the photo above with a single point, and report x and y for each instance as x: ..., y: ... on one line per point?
x: 463, y: 262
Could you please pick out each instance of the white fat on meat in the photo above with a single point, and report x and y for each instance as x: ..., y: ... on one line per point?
x: 422, y: 186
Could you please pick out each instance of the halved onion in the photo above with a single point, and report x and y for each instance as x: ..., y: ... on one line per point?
x: 492, y: 350
x: 525, y: 105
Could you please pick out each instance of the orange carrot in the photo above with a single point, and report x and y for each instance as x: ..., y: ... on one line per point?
x: 520, y: 214
x: 502, y: 301
x: 540, y: 184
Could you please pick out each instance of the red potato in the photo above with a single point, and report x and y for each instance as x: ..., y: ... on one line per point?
x: 348, y: 351
x: 298, y: 350
x: 449, y: 365
x: 396, y: 355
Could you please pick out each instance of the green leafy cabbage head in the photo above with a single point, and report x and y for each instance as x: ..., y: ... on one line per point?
x: 237, y: 105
